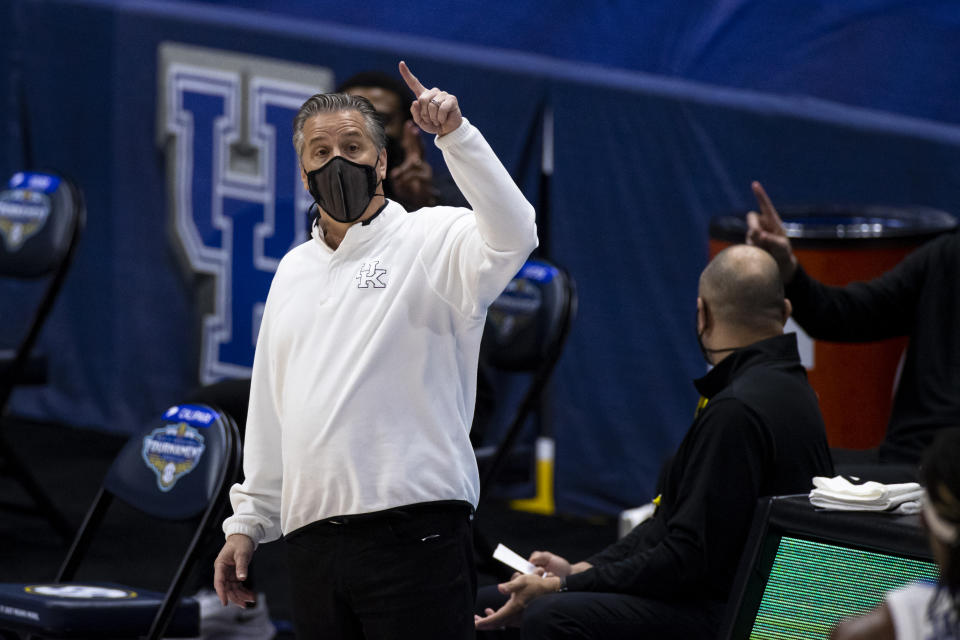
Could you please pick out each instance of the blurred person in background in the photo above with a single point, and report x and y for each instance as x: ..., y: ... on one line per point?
x: 410, y: 180
x: 925, y: 610
x: 919, y: 298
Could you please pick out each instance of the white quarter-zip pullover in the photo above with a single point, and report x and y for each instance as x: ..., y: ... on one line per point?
x: 364, y: 377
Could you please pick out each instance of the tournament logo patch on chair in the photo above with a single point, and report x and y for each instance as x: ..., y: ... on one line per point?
x: 174, y: 449
x: 25, y: 207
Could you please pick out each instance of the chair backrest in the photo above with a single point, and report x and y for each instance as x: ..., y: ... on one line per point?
x: 178, y: 470
x: 528, y: 322
x: 527, y: 326
x: 175, y: 470
x: 40, y: 214
x: 804, y: 569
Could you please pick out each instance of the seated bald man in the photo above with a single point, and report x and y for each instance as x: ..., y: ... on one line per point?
x: 757, y: 432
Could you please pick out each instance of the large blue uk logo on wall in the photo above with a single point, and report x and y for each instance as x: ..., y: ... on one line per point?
x: 236, y: 203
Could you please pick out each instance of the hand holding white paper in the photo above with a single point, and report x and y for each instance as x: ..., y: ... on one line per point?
x: 513, y: 559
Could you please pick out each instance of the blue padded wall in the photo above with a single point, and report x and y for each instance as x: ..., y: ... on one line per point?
x: 663, y: 113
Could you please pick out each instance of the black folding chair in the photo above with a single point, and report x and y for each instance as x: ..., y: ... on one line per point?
x: 178, y: 471
x: 527, y: 326
x: 41, y: 219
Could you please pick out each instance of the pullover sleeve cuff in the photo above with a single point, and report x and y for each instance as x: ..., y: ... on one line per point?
x: 254, y: 532
x: 455, y: 137
x: 799, y: 285
x: 583, y: 581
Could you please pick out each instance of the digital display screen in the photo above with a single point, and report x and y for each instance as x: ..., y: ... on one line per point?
x: 812, y: 585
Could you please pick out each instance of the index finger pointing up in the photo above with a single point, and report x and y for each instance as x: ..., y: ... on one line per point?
x: 411, y: 79
x: 766, y: 205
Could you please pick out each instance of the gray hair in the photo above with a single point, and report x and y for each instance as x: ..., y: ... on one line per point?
x: 331, y: 103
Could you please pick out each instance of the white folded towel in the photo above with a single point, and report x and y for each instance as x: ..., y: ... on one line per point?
x: 839, y: 494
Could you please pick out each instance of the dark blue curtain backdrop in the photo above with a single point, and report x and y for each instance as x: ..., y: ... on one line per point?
x: 881, y: 54
x: 663, y: 113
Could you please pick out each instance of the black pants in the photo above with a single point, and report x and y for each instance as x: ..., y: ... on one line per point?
x: 607, y: 616
x: 401, y: 573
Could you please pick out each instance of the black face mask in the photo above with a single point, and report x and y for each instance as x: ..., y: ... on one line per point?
x: 703, y: 349
x: 343, y: 188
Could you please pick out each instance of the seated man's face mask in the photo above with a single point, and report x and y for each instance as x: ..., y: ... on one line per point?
x: 343, y: 188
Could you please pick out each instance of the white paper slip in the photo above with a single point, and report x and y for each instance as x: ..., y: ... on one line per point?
x: 513, y: 560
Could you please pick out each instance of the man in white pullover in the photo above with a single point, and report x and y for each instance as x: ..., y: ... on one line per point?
x: 357, y: 447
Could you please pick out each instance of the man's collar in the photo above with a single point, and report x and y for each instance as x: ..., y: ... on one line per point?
x: 384, y: 213
x: 375, y: 214
x: 782, y: 347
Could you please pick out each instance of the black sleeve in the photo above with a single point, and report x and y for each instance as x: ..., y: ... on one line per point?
x: 640, y: 537
x: 705, y: 529
x: 860, y: 311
